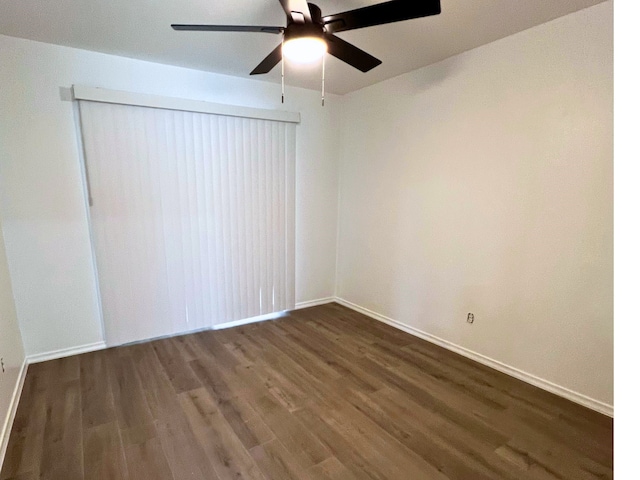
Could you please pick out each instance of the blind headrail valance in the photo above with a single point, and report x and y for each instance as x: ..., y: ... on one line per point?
x: 104, y: 95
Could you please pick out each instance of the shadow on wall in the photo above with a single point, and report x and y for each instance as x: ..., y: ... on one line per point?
x: 432, y: 76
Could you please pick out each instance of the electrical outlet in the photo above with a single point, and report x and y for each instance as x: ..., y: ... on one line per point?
x: 470, y: 318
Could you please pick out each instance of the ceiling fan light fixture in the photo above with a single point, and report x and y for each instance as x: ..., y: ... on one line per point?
x: 304, y: 49
x: 309, y: 35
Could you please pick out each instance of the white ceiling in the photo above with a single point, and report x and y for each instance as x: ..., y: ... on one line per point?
x: 140, y: 29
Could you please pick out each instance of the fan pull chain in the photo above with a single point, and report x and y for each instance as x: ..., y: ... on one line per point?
x: 282, y: 50
x: 323, y: 64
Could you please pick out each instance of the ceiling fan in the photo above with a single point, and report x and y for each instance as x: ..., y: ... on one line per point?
x: 308, y: 35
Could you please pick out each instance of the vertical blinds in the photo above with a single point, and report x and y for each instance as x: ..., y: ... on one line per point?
x: 192, y: 217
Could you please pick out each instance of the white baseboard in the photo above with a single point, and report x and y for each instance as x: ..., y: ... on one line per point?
x: 314, y: 303
x: 564, y: 392
x: 11, y: 414
x: 65, y: 352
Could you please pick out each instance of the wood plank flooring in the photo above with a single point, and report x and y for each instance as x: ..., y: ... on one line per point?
x: 324, y: 393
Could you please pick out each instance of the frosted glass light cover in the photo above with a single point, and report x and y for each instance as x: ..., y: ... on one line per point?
x: 304, y: 49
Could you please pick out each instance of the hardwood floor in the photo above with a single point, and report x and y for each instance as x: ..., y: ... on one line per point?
x: 324, y: 393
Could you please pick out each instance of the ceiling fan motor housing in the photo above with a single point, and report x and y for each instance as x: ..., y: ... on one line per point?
x: 314, y: 28
x: 299, y: 30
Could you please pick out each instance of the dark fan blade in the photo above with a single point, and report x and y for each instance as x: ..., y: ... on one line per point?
x: 388, y: 12
x: 350, y: 54
x: 228, y: 28
x: 297, y: 10
x: 268, y: 63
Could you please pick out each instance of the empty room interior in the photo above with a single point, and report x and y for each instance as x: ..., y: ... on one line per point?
x: 261, y: 239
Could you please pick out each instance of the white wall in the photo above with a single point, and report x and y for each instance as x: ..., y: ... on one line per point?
x: 484, y: 184
x: 11, y: 349
x: 46, y: 230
